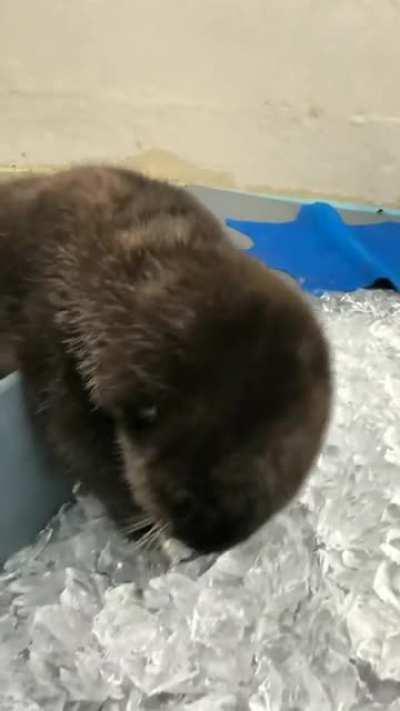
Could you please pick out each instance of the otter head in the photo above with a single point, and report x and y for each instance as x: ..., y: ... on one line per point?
x: 217, y: 375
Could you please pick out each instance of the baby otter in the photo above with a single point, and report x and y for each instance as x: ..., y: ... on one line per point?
x: 172, y: 374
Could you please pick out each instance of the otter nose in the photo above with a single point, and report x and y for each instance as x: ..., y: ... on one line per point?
x: 208, y: 534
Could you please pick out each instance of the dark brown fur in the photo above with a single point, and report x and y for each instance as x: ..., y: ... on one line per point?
x: 117, y: 294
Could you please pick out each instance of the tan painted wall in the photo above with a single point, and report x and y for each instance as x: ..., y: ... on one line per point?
x: 290, y: 96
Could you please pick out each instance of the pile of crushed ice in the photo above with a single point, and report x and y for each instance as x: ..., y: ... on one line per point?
x: 303, y: 617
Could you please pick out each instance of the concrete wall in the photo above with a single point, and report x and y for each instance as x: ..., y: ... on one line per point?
x: 286, y: 96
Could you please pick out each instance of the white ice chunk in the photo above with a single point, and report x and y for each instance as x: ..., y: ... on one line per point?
x: 304, y: 616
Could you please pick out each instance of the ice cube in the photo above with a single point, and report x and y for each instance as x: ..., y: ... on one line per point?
x: 303, y: 615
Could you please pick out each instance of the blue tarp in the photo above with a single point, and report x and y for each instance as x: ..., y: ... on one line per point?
x: 323, y: 253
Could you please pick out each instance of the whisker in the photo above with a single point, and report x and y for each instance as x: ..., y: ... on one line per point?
x: 137, y: 524
x: 146, y: 536
x: 149, y: 543
x: 152, y: 540
x: 155, y: 539
x: 162, y: 530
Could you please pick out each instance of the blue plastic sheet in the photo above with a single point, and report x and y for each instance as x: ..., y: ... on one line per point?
x: 323, y: 253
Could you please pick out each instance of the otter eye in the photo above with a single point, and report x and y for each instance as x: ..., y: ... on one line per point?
x: 147, y: 415
x: 141, y: 418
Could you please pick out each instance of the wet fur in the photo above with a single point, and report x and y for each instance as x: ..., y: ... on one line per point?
x: 117, y: 293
